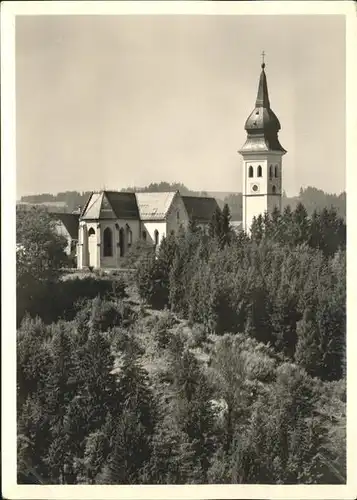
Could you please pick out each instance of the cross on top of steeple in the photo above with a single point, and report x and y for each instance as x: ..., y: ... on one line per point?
x: 262, y: 125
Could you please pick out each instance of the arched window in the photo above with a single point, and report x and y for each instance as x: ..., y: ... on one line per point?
x: 107, y: 242
x: 259, y: 171
x: 271, y: 172
x: 121, y: 242
x: 144, y: 235
x: 250, y: 171
x: 129, y: 235
x: 156, y: 234
x: 274, y: 189
x: 91, y: 232
x: 276, y: 170
x: 178, y: 215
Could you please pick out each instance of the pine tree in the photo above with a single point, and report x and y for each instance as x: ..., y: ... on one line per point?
x: 307, y: 352
x: 133, y: 426
x: 192, y: 411
x: 215, y: 225
x: 60, y: 387
x: 257, y: 229
x: 229, y: 380
x: 302, y: 225
x: 193, y: 226
x: 225, y: 228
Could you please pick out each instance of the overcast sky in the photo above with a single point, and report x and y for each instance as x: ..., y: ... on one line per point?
x: 117, y: 101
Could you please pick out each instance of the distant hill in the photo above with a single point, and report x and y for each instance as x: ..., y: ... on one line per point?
x: 310, y: 197
x: 52, y: 206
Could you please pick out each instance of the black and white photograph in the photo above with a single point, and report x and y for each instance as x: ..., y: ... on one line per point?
x: 176, y: 316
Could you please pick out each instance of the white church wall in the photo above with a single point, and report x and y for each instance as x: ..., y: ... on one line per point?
x: 273, y: 202
x: 176, y: 217
x: 125, y: 232
x: 89, y: 244
x: 262, y: 190
x: 108, y: 260
x: 131, y: 232
x: 81, y: 251
x: 254, y: 205
x: 274, y: 172
x: 149, y: 228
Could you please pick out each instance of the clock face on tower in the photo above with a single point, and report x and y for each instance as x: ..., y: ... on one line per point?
x: 254, y: 188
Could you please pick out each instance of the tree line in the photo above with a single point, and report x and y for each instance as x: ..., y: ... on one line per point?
x: 230, y: 368
x: 284, y: 285
x: 312, y: 198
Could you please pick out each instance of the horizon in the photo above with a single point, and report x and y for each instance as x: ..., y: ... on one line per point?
x: 138, y: 188
x: 168, y: 96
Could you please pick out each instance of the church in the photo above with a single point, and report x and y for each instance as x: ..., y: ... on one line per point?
x: 112, y: 221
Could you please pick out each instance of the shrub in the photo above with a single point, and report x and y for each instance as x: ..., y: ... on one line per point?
x: 199, y: 335
x: 104, y: 314
x: 137, y: 252
x: 176, y: 344
x: 124, y: 341
x: 153, y: 274
x: 162, y: 334
x: 119, y: 288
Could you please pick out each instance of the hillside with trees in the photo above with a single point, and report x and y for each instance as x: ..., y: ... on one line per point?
x: 310, y: 197
x: 219, y: 359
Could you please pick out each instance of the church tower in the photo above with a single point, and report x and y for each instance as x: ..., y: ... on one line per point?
x: 262, y: 158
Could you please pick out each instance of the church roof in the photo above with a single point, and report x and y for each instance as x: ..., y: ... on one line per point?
x: 200, y: 209
x: 154, y: 206
x: 124, y: 204
x: 110, y: 205
x: 262, y: 125
x: 70, y: 222
x: 143, y: 205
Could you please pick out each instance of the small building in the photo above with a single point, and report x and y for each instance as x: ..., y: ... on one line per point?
x: 67, y: 225
x: 200, y: 209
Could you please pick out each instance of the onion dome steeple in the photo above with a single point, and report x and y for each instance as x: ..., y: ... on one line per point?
x: 262, y: 125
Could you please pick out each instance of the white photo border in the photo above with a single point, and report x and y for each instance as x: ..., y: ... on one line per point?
x: 9, y: 11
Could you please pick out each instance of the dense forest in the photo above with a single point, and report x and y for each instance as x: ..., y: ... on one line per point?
x: 310, y: 197
x: 218, y: 359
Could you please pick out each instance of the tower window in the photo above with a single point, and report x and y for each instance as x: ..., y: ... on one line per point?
x: 276, y: 170
x: 91, y: 232
x: 144, y: 235
x: 250, y: 171
x: 156, y: 233
x: 274, y: 189
x: 271, y: 172
x: 259, y: 171
x: 107, y: 242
